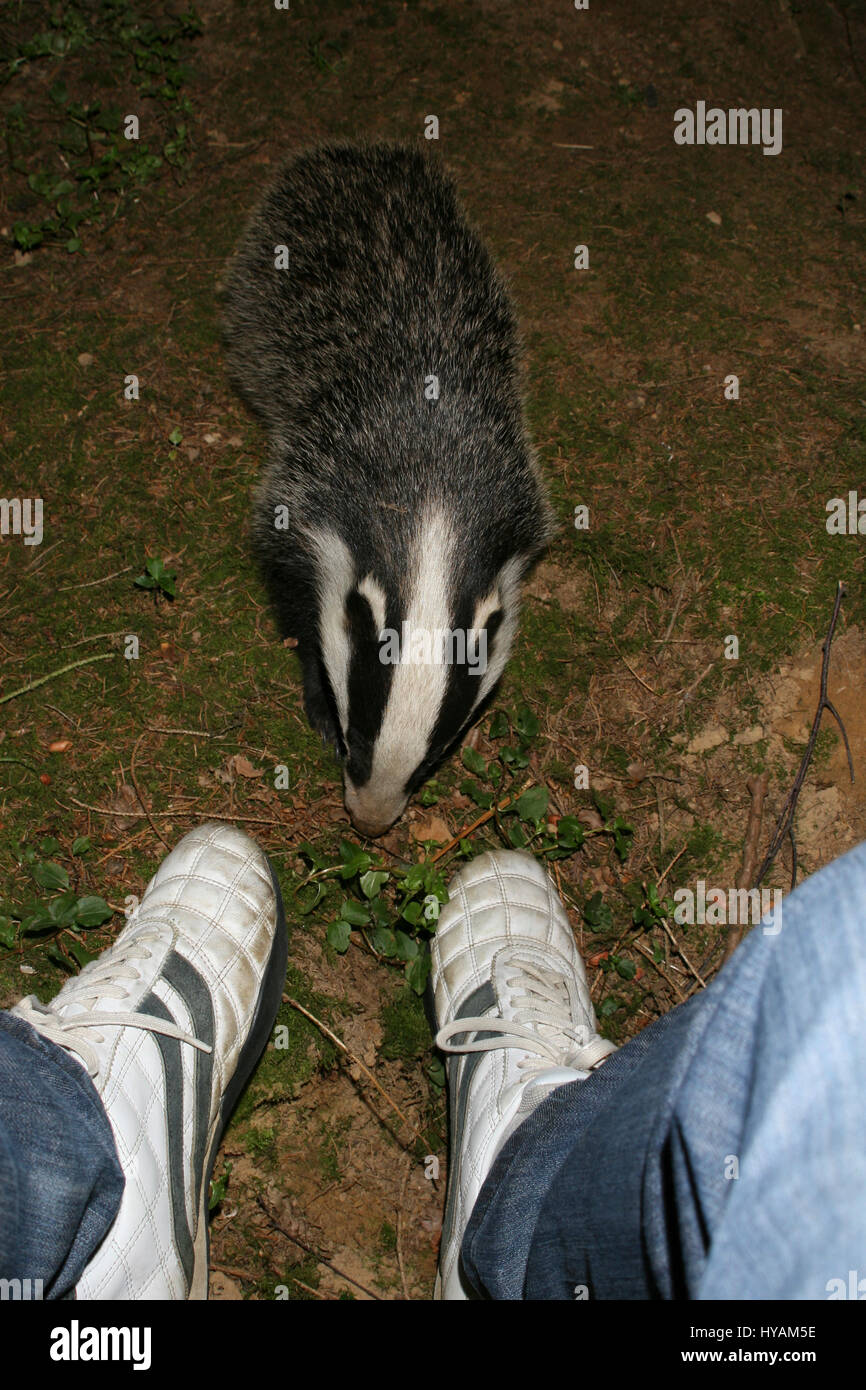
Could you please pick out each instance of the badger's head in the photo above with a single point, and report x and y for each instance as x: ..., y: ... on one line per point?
x: 411, y: 660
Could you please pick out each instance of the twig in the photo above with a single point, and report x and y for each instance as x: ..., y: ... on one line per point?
x: 169, y: 815
x: 73, y: 665
x: 138, y: 791
x: 323, y: 1027
x: 89, y: 584
x: 672, y: 984
x: 757, y: 787
x: 482, y: 820
x: 406, y: 1293
x: 785, y: 824
x: 311, y: 1250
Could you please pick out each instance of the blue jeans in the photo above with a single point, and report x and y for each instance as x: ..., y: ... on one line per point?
x: 60, y: 1179
x: 719, y: 1154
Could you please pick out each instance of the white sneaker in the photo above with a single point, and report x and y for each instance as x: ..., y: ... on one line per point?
x: 169, y: 1022
x: 510, y: 1001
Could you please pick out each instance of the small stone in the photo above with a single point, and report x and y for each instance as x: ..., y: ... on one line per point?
x: 715, y: 218
x: 711, y: 737
x: 748, y: 736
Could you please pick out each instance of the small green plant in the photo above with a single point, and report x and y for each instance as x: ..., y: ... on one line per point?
x: 157, y: 577
x: 63, y: 917
x: 219, y: 1187
x: 396, y: 911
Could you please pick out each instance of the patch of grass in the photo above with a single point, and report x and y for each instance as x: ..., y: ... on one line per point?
x: 405, y: 1032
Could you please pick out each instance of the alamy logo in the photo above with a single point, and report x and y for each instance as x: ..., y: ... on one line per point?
x: 739, y: 125
x: 21, y: 1290
x: 77, y: 1343
x: 714, y: 907
x: 22, y: 516
x: 438, y: 646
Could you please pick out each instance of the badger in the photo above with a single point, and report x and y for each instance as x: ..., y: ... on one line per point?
x: 401, y: 505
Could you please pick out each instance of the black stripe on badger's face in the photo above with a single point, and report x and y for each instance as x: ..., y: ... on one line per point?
x: 369, y: 682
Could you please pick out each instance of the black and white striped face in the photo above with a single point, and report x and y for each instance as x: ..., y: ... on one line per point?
x: 407, y: 670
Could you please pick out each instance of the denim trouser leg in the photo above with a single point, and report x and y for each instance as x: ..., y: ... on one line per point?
x: 719, y: 1154
x: 60, y: 1179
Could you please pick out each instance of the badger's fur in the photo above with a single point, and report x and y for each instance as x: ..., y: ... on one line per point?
x: 381, y: 503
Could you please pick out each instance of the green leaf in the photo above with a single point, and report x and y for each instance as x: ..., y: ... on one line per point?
x: 514, y: 758
x: 175, y: 437
x: 81, y: 953
x: 50, y: 876
x: 533, y: 803
x: 597, y: 914
x: 61, y: 910
x: 306, y: 850
x: 515, y: 834
x: 8, y: 933
x: 626, y: 969
x: 407, y: 948
x: 353, y: 860
x: 633, y: 893
x: 49, y: 845
x: 304, y: 908
x: 417, y: 971
x: 608, y: 1007
x: 80, y: 845
x: 412, y: 913
x: 382, y: 940
x: 339, y: 935
x: 570, y: 833
x: 354, y: 913
x: 474, y: 762
x: 92, y: 912
x: 436, y: 1069
x: 526, y: 723
x: 477, y: 794
x: 372, y: 882
x: 73, y: 245
x: 498, y: 725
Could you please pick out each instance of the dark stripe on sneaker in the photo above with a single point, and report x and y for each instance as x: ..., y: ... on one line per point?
x: 481, y: 999
x: 189, y: 985
x: 172, y: 1068
x: 197, y: 997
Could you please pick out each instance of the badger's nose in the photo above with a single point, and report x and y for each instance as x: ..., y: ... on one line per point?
x: 370, y: 829
x: 371, y: 812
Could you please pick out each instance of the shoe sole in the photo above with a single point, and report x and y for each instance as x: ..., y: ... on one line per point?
x: 270, y: 998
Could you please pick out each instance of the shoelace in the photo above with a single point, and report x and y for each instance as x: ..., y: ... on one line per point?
x: 542, y: 1025
x: 97, y: 980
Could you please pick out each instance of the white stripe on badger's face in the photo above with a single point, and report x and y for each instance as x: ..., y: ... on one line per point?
x: 417, y: 688
x: 336, y: 577
x: 505, y: 596
x: 375, y: 596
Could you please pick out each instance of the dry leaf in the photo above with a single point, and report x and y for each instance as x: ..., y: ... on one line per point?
x: 61, y: 745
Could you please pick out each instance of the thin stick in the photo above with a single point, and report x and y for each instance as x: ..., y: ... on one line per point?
x: 785, y: 824
x: 323, y: 1027
x: 89, y: 584
x: 168, y: 815
x: 34, y: 685
x: 311, y: 1250
x: 138, y: 792
x: 482, y: 820
x: 672, y: 984
x: 406, y: 1293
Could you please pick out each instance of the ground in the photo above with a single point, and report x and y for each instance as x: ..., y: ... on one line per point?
x: 707, y: 521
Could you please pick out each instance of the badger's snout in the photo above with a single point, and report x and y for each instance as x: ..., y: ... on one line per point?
x: 372, y: 813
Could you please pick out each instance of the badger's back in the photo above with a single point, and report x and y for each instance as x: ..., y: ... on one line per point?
x: 386, y: 286
x: 401, y: 502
